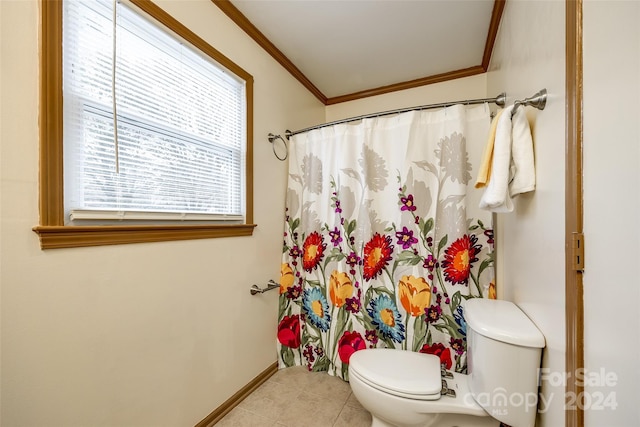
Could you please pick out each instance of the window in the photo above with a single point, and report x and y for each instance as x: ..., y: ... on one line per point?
x: 179, y: 164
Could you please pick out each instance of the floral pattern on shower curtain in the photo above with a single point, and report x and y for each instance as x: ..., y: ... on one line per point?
x: 383, y: 239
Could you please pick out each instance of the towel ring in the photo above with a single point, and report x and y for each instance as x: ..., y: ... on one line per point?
x: 272, y: 139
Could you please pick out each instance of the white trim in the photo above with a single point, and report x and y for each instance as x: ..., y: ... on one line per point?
x: 80, y: 214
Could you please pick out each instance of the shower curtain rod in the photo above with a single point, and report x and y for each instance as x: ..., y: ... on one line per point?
x: 498, y: 100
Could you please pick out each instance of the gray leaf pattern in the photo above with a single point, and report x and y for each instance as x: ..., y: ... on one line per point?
x: 293, y: 204
x: 374, y: 169
x: 309, y: 218
x: 428, y: 166
x: 454, y: 160
x: 376, y: 224
x: 352, y: 173
x: 312, y: 172
x: 420, y: 191
x: 452, y: 217
x: 347, y: 201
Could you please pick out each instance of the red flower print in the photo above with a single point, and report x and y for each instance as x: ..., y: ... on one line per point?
x: 459, y: 257
x: 313, y: 250
x: 289, y: 331
x: 349, y: 343
x: 439, y: 350
x: 377, y: 253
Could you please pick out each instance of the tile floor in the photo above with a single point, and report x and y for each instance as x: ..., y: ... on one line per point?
x: 295, y: 397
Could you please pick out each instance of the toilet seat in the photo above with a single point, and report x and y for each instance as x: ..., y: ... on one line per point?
x: 398, y: 372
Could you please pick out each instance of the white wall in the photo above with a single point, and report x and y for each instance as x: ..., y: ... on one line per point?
x: 454, y: 90
x: 612, y: 209
x: 155, y: 334
x: 529, y: 55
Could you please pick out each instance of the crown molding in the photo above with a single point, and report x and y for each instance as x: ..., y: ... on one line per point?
x: 437, y: 78
x: 494, y: 24
x: 243, y: 22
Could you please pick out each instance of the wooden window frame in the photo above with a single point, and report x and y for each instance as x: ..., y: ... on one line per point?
x: 52, y: 232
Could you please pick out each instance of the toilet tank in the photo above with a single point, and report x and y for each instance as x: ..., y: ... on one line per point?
x: 504, y: 351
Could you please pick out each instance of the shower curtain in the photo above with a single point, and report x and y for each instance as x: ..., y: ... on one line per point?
x: 383, y: 238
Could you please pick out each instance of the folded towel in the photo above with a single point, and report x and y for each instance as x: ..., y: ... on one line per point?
x: 523, y: 169
x: 496, y: 196
x: 484, y: 172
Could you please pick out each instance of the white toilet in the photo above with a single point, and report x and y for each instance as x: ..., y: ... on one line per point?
x: 403, y: 388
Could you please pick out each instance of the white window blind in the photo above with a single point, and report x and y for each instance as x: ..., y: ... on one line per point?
x: 181, y: 132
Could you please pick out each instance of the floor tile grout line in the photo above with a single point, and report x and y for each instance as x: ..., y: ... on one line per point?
x: 335, y: 422
x: 292, y: 381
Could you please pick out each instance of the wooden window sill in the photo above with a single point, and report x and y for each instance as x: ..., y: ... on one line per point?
x: 56, y: 237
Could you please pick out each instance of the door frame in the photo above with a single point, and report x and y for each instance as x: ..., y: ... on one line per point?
x: 574, y: 311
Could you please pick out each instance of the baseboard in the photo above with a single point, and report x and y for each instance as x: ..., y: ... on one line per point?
x: 234, y: 400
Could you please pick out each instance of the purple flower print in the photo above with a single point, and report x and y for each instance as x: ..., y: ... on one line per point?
x: 407, y: 203
x: 458, y: 345
x: 295, y: 252
x: 353, y: 259
x: 433, y: 313
x: 430, y: 263
x: 371, y: 336
x: 405, y: 238
x: 336, y: 238
x: 353, y: 305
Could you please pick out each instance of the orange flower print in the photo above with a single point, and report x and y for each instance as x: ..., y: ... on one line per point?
x: 313, y: 250
x: 415, y: 294
x: 377, y: 253
x: 286, y: 278
x: 492, y: 291
x: 340, y: 288
x: 459, y: 257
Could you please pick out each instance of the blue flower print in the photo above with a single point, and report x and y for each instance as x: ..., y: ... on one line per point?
x: 316, y: 308
x: 386, y: 318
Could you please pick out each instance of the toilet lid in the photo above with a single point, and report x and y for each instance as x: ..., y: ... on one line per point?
x: 403, y: 373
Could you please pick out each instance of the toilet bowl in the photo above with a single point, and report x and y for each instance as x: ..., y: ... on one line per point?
x: 404, y: 389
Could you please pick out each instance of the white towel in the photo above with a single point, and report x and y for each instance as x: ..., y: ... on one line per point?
x: 496, y: 196
x: 523, y: 169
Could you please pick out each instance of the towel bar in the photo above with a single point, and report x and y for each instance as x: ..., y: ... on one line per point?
x: 539, y: 101
x: 255, y: 289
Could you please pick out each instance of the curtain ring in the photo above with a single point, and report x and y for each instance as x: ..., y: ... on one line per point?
x: 272, y: 139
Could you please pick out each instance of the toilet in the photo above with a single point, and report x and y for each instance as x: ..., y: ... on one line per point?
x: 403, y: 388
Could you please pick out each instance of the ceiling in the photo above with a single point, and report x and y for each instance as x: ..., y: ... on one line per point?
x: 349, y: 49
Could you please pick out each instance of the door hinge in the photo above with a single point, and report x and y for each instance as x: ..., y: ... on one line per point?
x: 577, y: 251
